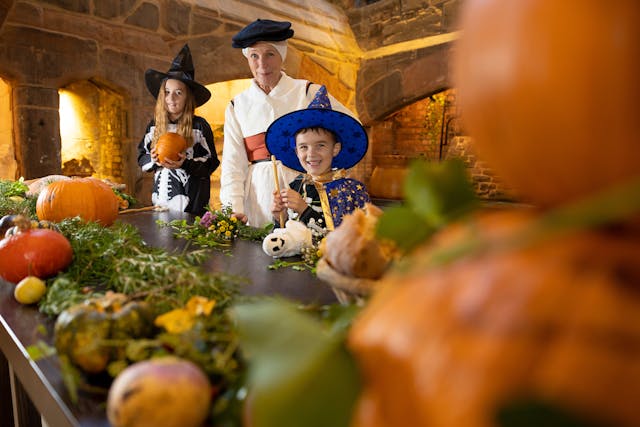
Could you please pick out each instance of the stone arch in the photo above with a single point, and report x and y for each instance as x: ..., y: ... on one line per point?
x: 387, y: 84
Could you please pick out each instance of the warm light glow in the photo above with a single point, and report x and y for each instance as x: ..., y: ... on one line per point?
x: 221, y: 94
x: 72, y: 127
x: 92, y: 130
x: 7, y: 154
x: 411, y: 45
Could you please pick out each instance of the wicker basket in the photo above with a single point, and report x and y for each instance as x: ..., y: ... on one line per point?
x: 348, y: 290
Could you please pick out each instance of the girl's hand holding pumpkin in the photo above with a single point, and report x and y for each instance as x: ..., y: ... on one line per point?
x: 173, y: 164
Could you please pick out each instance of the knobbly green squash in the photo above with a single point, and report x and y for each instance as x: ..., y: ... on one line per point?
x: 94, y: 333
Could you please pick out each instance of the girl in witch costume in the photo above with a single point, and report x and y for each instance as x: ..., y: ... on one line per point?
x: 246, y: 179
x: 321, y: 143
x: 182, y: 185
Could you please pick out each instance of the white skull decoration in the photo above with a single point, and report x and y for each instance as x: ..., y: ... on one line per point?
x: 288, y: 241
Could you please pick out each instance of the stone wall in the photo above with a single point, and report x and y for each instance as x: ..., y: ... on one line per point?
x: 388, y: 22
x: 487, y: 185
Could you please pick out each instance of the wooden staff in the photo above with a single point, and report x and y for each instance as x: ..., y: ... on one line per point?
x: 277, y: 182
x: 143, y: 209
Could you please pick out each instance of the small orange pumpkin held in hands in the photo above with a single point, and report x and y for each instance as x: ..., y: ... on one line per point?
x: 89, y: 198
x: 548, y: 90
x: 169, y: 146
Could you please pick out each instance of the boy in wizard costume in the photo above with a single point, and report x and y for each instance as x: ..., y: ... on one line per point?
x: 321, y: 143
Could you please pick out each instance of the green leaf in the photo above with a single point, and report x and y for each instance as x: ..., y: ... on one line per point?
x: 299, y: 374
x: 40, y: 350
x: 404, y: 226
x: 439, y: 192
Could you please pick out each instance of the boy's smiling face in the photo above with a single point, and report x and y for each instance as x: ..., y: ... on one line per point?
x: 316, y: 149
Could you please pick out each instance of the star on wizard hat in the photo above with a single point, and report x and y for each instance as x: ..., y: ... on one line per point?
x: 262, y: 30
x: 181, y: 69
x: 281, y: 135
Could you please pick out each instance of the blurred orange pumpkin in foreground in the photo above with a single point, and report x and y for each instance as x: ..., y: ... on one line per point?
x: 170, y: 145
x: 548, y: 89
x: 557, y: 321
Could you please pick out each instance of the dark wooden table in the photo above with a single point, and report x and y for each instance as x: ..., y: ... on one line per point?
x: 37, y: 389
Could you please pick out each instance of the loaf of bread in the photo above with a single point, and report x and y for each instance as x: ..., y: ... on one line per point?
x: 352, y: 248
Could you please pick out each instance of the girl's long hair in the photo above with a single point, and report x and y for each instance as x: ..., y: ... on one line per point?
x: 185, y: 122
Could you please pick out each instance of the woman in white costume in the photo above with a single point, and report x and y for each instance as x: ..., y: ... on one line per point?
x: 246, y: 181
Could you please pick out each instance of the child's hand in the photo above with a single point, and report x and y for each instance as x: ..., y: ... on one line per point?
x: 291, y: 199
x: 276, y: 205
x: 240, y: 216
x: 174, y: 164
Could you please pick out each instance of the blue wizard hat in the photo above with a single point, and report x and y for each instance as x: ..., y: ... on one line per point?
x: 281, y: 135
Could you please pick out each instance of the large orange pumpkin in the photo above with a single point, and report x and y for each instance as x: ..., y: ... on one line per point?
x: 556, y: 321
x: 89, y: 198
x: 170, y: 145
x: 549, y: 89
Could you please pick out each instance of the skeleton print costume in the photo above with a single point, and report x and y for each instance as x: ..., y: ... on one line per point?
x: 186, y: 189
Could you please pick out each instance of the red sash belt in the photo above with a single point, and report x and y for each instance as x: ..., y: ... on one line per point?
x: 256, y: 148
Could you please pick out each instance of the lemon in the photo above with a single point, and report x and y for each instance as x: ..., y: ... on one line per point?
x: 29, y: 290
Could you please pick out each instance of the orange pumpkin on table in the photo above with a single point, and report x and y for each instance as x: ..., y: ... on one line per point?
x: 169, y: 145
x: 89, y: 198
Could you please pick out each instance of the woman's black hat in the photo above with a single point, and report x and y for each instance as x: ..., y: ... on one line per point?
x: 262, y: 30
x: 181, y: 69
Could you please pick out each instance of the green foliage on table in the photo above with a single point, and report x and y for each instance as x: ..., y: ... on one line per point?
x: 300, y: 373
x: 14, y: 200
x: 116, y: 258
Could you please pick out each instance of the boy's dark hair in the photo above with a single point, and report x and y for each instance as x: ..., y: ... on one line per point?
x: 316, y: 129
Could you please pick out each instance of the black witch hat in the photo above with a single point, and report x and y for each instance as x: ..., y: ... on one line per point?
x: 181, y: 69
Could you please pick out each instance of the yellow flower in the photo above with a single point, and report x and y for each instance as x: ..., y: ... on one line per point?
x: 182, y: 319
x: 234, y: 219
x: 199, y: 306
x: 175, y: 321
x: 227, y: 233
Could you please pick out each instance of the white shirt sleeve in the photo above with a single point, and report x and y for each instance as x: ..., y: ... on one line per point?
x: 235, y: 164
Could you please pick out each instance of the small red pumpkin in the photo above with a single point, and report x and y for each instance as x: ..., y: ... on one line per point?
x: 169, y: 146
x: 36, y: 252
x: 89, y: 198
